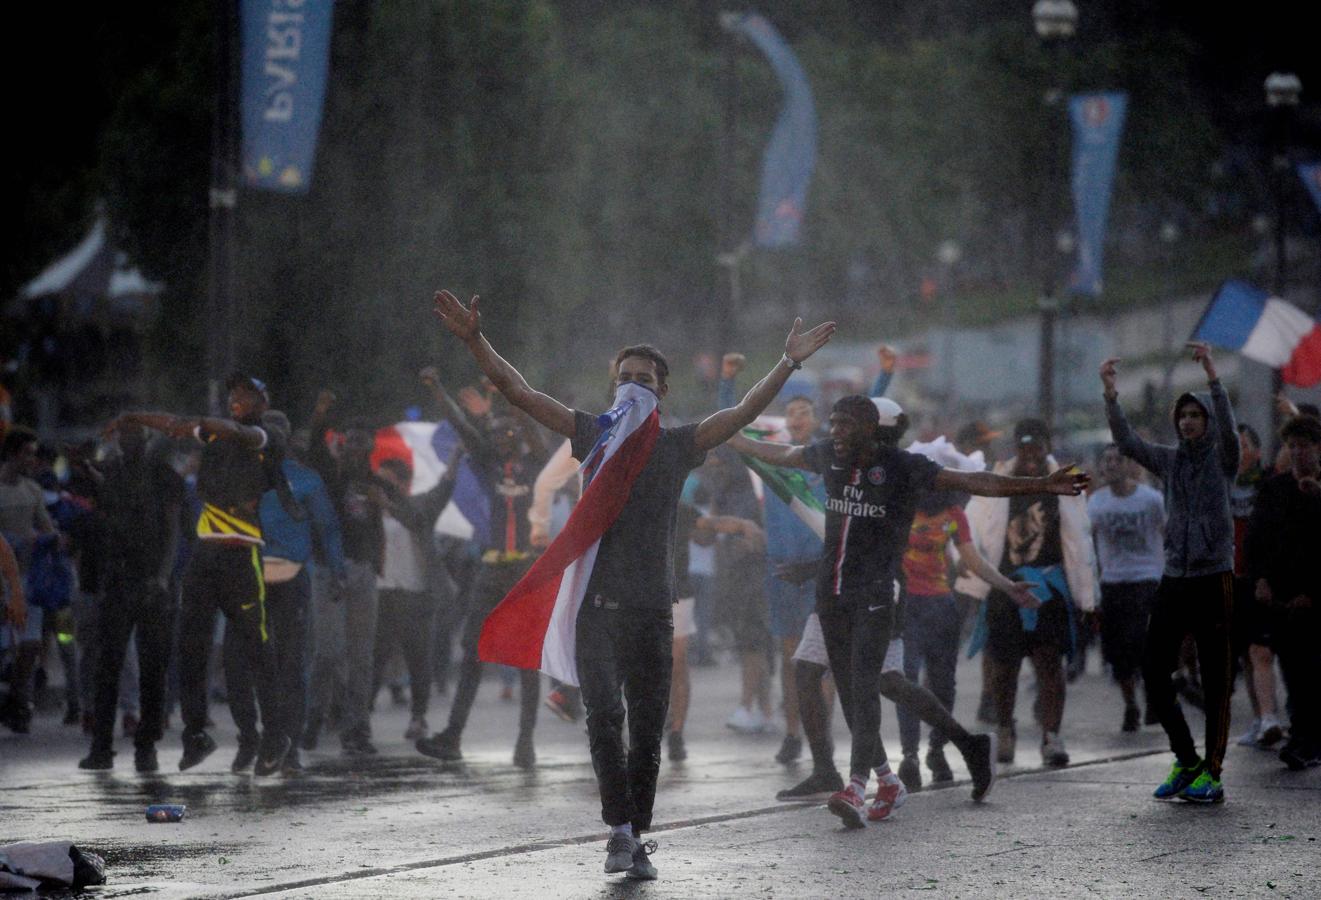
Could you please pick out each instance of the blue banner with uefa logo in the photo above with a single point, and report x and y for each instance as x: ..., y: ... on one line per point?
x: 1310, y: 173
x: 1098, y: 124
x: 286, y: 55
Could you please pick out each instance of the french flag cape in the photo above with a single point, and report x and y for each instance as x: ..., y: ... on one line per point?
x: 1266, y: 329
x: 534, y: 625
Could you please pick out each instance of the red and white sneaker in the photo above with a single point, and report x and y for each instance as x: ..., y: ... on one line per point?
x: 848, y: 805
x: 890, y: 795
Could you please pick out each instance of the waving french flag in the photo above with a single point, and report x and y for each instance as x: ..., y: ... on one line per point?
x: 425, y: 446
x: 1266, y: 329
x: 534, y: 625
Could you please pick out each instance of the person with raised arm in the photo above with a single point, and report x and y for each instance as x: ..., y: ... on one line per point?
x: 610, y: 572
x: 872, y: 489
x: 1196, y: 593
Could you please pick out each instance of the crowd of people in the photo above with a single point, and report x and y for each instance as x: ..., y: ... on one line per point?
x: 303, y: 561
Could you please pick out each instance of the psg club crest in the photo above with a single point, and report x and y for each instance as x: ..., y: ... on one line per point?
x: 876, y: 475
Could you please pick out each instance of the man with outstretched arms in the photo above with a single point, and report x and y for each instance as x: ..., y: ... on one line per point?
x: 616, y: 557
x: 872, y: 489
x: 240, y: 462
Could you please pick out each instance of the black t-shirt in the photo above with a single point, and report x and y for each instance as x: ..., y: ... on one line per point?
x: 133, y: 505
x: 360, y: 522
x: 1032, y: 537
x: 509, y: 485
x: 635, y: 564
x: 869, y: 512
x: 231, y: 479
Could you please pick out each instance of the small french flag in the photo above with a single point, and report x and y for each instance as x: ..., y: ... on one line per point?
x: 1265, y: 329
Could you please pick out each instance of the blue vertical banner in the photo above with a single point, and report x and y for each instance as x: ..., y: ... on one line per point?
x: 790, y: 157
x: 286, y: 55
x: 1310, y: 173
x: 1098, y: 124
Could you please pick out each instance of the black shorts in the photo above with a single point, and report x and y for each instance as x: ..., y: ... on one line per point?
x: 1006, y: 638
x: 1125, y: 610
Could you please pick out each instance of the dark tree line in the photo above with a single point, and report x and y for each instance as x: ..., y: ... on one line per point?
x: 562, y: 159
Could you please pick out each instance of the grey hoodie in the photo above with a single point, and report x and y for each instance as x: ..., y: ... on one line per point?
x: 1197, y: 477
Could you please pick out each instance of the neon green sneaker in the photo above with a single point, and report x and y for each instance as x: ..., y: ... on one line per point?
x: 1180, y: 777
x: 1204, y: 789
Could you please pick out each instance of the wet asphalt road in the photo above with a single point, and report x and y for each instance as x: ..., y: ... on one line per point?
x: 404, y: 825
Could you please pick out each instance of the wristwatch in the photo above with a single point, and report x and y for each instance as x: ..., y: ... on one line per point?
x: 793, y: 366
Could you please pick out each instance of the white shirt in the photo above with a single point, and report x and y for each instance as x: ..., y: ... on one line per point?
x: 405, y: 563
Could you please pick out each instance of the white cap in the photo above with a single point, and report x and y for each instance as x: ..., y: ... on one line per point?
x: 888, y: 410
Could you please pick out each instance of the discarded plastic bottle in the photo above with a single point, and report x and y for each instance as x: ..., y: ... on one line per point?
x: 166, y: 812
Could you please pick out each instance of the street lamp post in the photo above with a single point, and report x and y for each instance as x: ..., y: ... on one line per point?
x: 1055, y: 22
x: 1169, y: 236
x: 1282, y: 92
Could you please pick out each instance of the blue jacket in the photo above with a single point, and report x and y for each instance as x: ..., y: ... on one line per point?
x: 1197, y: 477
x: 290, y: 538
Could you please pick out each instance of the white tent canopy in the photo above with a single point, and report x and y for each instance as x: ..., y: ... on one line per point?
x: 91, y: 276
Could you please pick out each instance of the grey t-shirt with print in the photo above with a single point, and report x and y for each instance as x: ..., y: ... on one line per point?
x: 1130, y: 534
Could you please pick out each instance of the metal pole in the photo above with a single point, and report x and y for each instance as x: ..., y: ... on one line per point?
x: 1279, y: 172
x: 728, y: 292
x: 1049, y: 303
x: 222, y: 316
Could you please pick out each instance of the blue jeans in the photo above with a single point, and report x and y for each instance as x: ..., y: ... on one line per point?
x: 931, y: 640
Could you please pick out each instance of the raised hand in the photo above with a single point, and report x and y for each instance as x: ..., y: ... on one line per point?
x: 1202, y: 354
x: 799, y: 347
x: 888, y: 357
x: 430, y: 378
x: 474, y: 402
x: 325, y: 399
x: 1068, y: 481
x: 1109, y: 369
x: 464, y: 322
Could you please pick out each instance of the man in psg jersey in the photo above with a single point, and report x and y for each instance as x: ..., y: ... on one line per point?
x: 872, y: 489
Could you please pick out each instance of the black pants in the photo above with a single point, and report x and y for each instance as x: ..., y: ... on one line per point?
x: 287, y: 606
x: 131, y: 601
x: 1297, y: 638
x: 857, y: 628
x: 1200, y: 606
x: 227, y: 578
x: 404, y: 620
x: 629, y: 650
x: 493, y: 582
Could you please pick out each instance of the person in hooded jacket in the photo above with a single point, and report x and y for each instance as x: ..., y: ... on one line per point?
x: 1196, y: 593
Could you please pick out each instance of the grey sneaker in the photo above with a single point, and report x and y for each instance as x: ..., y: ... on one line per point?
x: 619, y: 852
x: 642, y: 869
